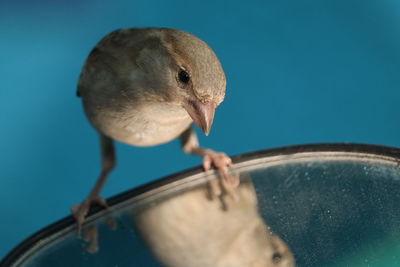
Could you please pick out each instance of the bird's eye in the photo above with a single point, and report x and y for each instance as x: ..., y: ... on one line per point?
x: 183, y: 76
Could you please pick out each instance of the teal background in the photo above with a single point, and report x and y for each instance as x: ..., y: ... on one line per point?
x: 298, y: 72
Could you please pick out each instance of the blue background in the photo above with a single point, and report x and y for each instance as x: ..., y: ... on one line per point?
x: 298, y: 72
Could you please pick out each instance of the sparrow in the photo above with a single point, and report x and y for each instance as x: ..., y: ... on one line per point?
x: 195, y: 232
x: 145, y: 87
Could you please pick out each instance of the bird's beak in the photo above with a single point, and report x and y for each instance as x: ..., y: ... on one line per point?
x: 201, y: 114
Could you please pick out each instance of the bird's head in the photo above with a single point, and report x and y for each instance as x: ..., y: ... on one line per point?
x: 200, y: 79
x: 188, y: 73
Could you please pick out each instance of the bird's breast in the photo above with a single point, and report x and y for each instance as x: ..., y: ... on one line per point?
x: 145, y: 125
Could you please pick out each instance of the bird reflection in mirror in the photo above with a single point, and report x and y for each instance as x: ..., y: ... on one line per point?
x: 189, y: 231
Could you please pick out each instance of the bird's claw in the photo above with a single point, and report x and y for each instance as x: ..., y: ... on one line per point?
x: 80, y: 211
x: 90, y: 234
x: 228, y: 182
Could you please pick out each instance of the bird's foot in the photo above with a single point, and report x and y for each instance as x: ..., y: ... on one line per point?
x: 80, y: 211
x: 228, y: 181
x: 90, y: 234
